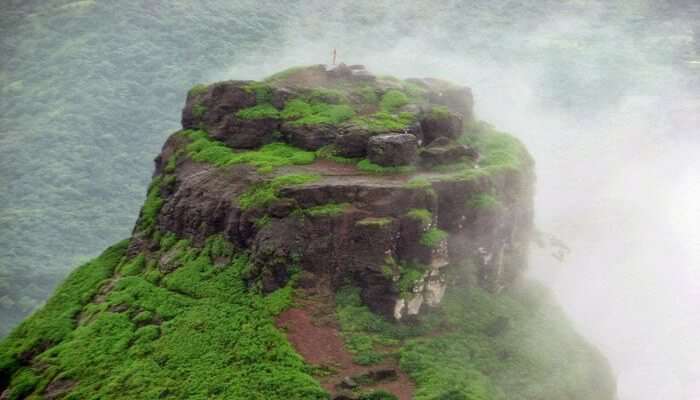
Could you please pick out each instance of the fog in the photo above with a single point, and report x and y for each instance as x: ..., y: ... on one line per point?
x: 613, y: 125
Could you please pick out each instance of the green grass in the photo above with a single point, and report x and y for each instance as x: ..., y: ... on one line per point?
x: 198, y: 89
x: 202, y: 334
x: 265, y: 159
x: 55, y: 321
x: 152, y: 205
x: 263, y: 91
x: 440, y: 112
x: 516, y: 346
x: 172, y: 162
x: 374, y: 221
x: 383, y: 121
x: 421, y: 214
x: 198, y: 110
x: 484, y: 201
x: 261, y: 111
x: 367, y: 166
x: 393, y: 100
x: 264, y: 193
x: 326, y: 210
x: 329, y: 153
x: 410, y: 274
x: 433, y: 237
x: 301, y: 112
x: 498, y: 150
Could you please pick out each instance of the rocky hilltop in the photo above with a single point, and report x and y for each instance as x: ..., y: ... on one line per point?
x: 372, y: 219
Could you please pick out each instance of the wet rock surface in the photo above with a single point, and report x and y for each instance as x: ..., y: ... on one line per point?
x: 392, y: 149
x: 379, y: 225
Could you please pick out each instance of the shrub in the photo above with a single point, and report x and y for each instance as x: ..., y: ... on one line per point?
x: 266, y: 158
x: 421, y: 214
x: 393, y: 100
x: 433, y: 237
x: 303, y: 113
x: 264, y: 193
x: 260, y: 111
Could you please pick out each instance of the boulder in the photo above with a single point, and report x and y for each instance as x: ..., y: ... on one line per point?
x: 207, y: 109
x: 438, y: 122
x: 445, y: 151
x: 352, y: 141
x: 392, y: 149
x: 309, y: 137
x: 245, y: 133
x: 215, y: 108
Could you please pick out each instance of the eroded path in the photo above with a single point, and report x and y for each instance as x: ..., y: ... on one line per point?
x: 313, y: 331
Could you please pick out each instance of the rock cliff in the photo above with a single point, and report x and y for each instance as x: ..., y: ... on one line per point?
x: 424, y: 205
x: 322, y: 233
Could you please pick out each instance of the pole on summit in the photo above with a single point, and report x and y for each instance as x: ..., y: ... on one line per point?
x: 334, y: 53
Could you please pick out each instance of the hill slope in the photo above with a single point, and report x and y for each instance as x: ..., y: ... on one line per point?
x: 321, y: 202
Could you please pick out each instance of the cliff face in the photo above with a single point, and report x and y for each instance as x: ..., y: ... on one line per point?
x: 372, y: 220
x: 422, y: 205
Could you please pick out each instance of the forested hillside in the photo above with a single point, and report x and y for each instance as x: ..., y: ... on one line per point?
x: 89, y: 90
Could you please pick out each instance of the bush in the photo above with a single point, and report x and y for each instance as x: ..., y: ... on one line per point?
x: 433, y: 238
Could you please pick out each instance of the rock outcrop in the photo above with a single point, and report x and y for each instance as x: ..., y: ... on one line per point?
x: 391, y: 225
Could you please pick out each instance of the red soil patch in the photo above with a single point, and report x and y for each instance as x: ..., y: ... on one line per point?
x: 321, y: 344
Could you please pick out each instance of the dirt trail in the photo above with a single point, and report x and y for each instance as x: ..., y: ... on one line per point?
x: 317, y: 338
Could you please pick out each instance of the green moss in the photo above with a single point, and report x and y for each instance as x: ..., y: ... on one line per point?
x: 262, y: 221
x: 301, y: 112
x: 326, y: 210
x: 198, y: 89
x: 367, y: 166
x: 325, y: 95
x: 433, y: 238
x: 23, y: 384
x: 375, y: 221
x: 498, y: 150
x: 329, y: 153
x: 383, y: 121
x: 152, y: 205
x: 262, y: 90
x: 484, y: 201
x: 167, y: 241
x: 266, y: 158
x: 411, y: 273
x: 198, y: 110
x: 393, y: 100
x: 378, y: 395
x: 440, y: 112
x: 260, y: 111
x: 134, y: 267
x: 264, y: 193
x: 368, y: 95
x: 172, y: 162
x: 421, y: 214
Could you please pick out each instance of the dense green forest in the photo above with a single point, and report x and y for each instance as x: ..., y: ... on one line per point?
x: 90, y: 89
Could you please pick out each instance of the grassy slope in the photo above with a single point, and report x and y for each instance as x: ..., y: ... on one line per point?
x: 196, y: 333
x: 480, y: 346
